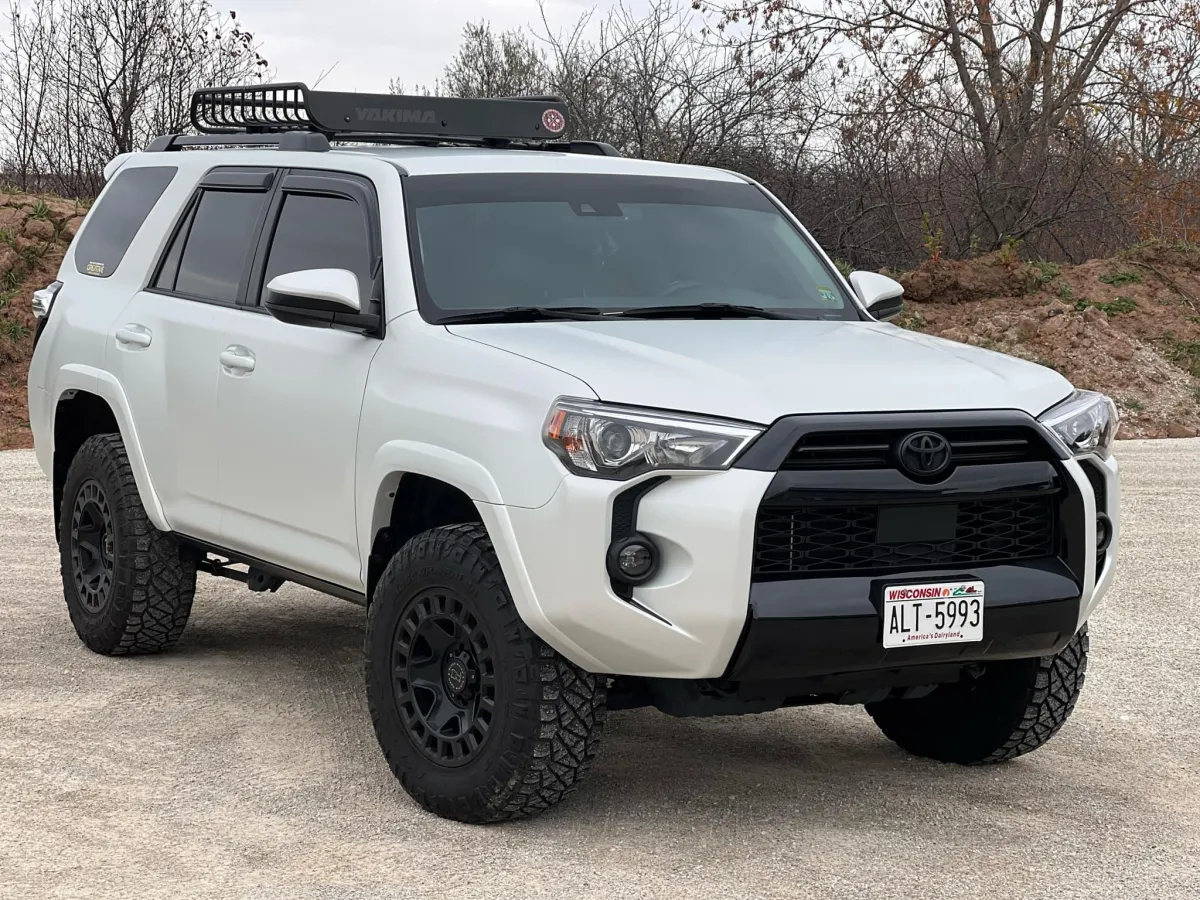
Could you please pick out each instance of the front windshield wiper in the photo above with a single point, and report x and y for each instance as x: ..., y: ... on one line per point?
x: 526, y: 314
x: 705, y: 310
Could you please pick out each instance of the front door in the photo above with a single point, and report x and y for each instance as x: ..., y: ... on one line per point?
x: 289, y: 396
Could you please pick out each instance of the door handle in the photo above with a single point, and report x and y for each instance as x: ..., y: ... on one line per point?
x: 237, y: 360
x: 133, y: 335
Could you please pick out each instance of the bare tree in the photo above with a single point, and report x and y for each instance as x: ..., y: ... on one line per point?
x: 651, y: 83
x: 1011, y: 88
x: 495, y: 65
x: 85, y: 80
x: 27, y: 80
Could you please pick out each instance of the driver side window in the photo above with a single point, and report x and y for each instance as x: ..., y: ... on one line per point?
x: 317, y: 231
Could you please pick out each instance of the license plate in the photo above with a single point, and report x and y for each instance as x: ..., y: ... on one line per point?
x: 948, y: 612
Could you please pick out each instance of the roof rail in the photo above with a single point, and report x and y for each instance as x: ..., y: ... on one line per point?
x: 591, y: 148
x: 292, y: 117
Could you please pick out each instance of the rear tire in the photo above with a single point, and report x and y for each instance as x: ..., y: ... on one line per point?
x: 1013, y: 708
x: 128, y: 587
x: 479, y: 719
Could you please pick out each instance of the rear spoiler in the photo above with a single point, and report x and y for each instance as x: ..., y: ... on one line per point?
x: 115, y: 163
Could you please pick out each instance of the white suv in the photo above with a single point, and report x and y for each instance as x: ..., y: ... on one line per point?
x: 583, y: 433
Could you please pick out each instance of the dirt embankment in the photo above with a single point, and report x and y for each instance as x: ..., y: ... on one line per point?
x: 1128, y: 326
x: 34, y: 234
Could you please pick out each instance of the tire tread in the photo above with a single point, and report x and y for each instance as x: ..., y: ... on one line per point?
x: 155, y: 583
x: 1020, y: 717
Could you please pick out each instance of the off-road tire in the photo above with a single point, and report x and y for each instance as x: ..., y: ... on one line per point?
x: 150, y: 585
x: 547, y: 715
x: 1013, y: 708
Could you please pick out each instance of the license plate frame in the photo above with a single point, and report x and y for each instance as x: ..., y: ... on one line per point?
x: 932, y: 613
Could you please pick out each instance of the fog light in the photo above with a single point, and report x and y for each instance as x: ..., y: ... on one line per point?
x: 1103, y: 532
x: 633, y: 560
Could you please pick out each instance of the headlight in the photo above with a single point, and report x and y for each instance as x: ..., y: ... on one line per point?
x: 1086, y: 422
x: 618, y: 442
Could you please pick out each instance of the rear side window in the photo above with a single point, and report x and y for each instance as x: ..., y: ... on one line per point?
x: 115, y: 221
x: 211, y: 252
x: 321, y: 232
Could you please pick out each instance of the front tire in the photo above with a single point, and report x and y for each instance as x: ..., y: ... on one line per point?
x: 478, y: 718
x: 127, y: 585
x: 1012, y: 709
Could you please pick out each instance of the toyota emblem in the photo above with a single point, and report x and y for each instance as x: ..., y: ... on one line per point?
x: 924, y: 454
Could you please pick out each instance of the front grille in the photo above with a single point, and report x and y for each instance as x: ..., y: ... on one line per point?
x: 804, y: 540
x: 824, y: 450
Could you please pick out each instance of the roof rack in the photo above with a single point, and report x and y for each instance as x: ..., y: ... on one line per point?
x: 293, y: 107
x: 292, y: 117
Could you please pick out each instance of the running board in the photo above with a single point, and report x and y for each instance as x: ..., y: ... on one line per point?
x: 263, y: 576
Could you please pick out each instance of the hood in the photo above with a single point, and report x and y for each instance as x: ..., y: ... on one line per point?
x: 759, y: 370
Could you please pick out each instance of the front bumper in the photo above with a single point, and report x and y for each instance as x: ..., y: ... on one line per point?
x: 702, y: 618
x: 832, y: 626
x: 686, y: 622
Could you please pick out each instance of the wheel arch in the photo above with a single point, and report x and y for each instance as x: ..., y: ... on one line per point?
x: 89, y: 401
x: 406, y: 504
x: 379, y: 483
x: 379, y: 500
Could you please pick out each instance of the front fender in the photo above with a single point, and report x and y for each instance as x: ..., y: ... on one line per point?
x: 74, y: 377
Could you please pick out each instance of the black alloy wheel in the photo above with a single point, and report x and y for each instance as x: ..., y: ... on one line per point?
x: 93, y: 552
x: 444, y: 678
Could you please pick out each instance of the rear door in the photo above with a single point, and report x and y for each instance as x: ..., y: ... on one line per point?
x: 290, y: 396
x: 166, y: 344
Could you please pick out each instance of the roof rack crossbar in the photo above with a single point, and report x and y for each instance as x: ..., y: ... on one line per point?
x: 295, y: 140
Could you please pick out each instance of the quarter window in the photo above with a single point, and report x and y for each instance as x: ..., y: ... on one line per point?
x: 115, y: 221
x: 321, y: 232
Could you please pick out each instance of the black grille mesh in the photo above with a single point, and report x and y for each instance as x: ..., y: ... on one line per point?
x: 802, y: 540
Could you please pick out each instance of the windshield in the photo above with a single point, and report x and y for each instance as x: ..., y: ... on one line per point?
x: 611, y: 245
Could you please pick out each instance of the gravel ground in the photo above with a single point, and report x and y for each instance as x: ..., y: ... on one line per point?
x: 243, y: 764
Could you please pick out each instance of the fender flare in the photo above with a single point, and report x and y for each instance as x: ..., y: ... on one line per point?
x: 394, y: 460
x: 74, y: 377
x: 377, y: 488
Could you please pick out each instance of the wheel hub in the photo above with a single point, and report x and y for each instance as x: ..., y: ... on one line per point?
x: 460, y: 674
x: 443, y: 678
x: 93, y: 546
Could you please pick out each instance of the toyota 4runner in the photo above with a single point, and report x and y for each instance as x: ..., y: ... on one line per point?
x: 582, y: 433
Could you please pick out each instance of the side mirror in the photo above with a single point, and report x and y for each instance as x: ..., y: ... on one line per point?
x: 320, y: 297
x: 883, y: 297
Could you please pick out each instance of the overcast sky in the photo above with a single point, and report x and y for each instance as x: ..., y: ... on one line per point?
x: 373, y: 41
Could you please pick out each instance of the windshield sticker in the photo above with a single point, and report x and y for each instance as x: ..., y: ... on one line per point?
x: 828, y: 295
